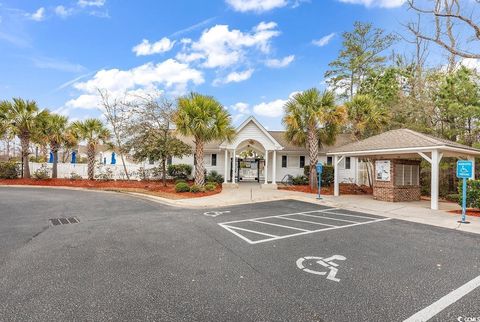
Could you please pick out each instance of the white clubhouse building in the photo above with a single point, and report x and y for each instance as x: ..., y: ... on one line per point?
x: 264, y: 156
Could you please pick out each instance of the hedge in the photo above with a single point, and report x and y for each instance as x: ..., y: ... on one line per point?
x: 9, y: 170
x: 179, y: 171
x: 473, y: 193
x: 327, y: 174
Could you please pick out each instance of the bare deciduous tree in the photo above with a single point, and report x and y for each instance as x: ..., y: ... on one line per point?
x: 447, y: 17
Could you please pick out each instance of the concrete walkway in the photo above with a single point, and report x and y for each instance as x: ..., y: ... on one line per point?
x: 411, y: 211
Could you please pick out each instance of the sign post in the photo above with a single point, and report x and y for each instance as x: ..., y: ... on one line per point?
x: 464, y: 172
x: 319, y: 167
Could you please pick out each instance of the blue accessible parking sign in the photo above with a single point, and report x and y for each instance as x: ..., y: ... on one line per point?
x: 464, y: 169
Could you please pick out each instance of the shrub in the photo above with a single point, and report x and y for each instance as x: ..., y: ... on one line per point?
x: 75, y: 176
x: 194, y: 188
x: 327, y: 174
x: 42, y: 173
x: 9, y: 170
x: 214, y: 176
x: 180, y: 180
x: 104, y: 173
x: 210, y: 186
x: 179, y: 171
x: 455, y: 197
x: 212, y: 183
x: 182, y: 187
x: 473, y: 193
x: 299, y: 180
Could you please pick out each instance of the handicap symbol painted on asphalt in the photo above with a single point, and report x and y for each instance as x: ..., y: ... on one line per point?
x: 216, y: 213
x: 325, y: 264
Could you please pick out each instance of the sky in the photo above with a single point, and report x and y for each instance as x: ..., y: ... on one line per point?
x: 249, y: 54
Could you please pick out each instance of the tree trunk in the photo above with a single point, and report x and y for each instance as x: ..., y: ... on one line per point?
x: 91, y: 161
x: 200, y: 166
x: 164, y: 172
x: 25, y: 142
x: 312, y: 144
x: 55, y: 161
x: 124, y: 166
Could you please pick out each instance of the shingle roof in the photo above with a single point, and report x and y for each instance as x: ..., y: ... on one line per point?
x: 279, y: 136
x: 342, y: 139
x: 399, y: 139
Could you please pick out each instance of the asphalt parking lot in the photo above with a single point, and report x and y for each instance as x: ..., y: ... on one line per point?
x: 133, y: 259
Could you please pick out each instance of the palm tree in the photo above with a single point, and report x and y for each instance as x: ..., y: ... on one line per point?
x: 94, y: 133
x: 205, y: 119
x: 55, y: 132
x: 22, y: 117
x: 312, y: 119
x: 366, y: 118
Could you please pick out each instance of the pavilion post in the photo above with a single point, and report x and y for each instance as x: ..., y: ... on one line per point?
x: 266, y: 166
x: 234, y: 165
x: 225, y: 172
x: 336, y: 184
x: 435, y: 179
x: 274, y: 167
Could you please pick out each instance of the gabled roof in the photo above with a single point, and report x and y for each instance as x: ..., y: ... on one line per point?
x: 262, y: 129
x: 341, y: 140
x: 401, y: 140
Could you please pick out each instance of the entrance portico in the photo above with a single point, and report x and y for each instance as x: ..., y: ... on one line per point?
x: 251, y: 136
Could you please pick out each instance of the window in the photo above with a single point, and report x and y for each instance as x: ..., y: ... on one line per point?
x: 407, y: 175
x: 329, y: 160
x: 214, y: 160
x: 169, y: 161
x: 347, y: 163
x: 194, y: 159
x: 302, y: 161
x: 284, y: 161
x: 151, y: 161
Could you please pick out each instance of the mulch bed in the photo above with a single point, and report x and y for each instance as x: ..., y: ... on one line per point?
x: 470, y: 212
x: 154, y: 188
x: 345, y: 189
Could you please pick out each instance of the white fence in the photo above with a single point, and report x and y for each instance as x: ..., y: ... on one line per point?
x: 67, y: 170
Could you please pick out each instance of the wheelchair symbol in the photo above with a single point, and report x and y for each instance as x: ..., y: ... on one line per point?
x: 325, y: 263
x: 215, y: 213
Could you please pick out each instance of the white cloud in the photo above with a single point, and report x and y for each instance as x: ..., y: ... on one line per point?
x: 376, y: 3
x: 270, y: 109
x: 91, y: 3
x: 240, y: 111
x: 280, y: 63
x: 240, y: 107
x: 256, y: 5
x: 235, y: 77
x: 325, y: 40
x: 273, y: 108
x: 146, y: 48
x: 57, y: 64
x: 221, y: 47
x: 471, y: 63
x: 38, y: 15
x: 63, y: 12
x: 170, y: 74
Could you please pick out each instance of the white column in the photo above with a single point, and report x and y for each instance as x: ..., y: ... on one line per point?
x: 470, y: 158
x: 274, y: 167
x: 225, y: 179
x: 434, y: 182
x: 234, y: 165
x: 266, y: 166
x: 336, y: 183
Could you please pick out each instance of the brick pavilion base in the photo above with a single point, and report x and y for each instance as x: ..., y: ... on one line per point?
x: 394, y: 190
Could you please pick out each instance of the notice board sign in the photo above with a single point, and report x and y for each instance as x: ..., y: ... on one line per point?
x: 382, y: 170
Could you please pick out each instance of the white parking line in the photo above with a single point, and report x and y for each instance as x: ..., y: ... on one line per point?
x: 259, y: 229
x: 452, y: 297
x: 329, y: 218
x: 349, y: 215
x: 272, y: 224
